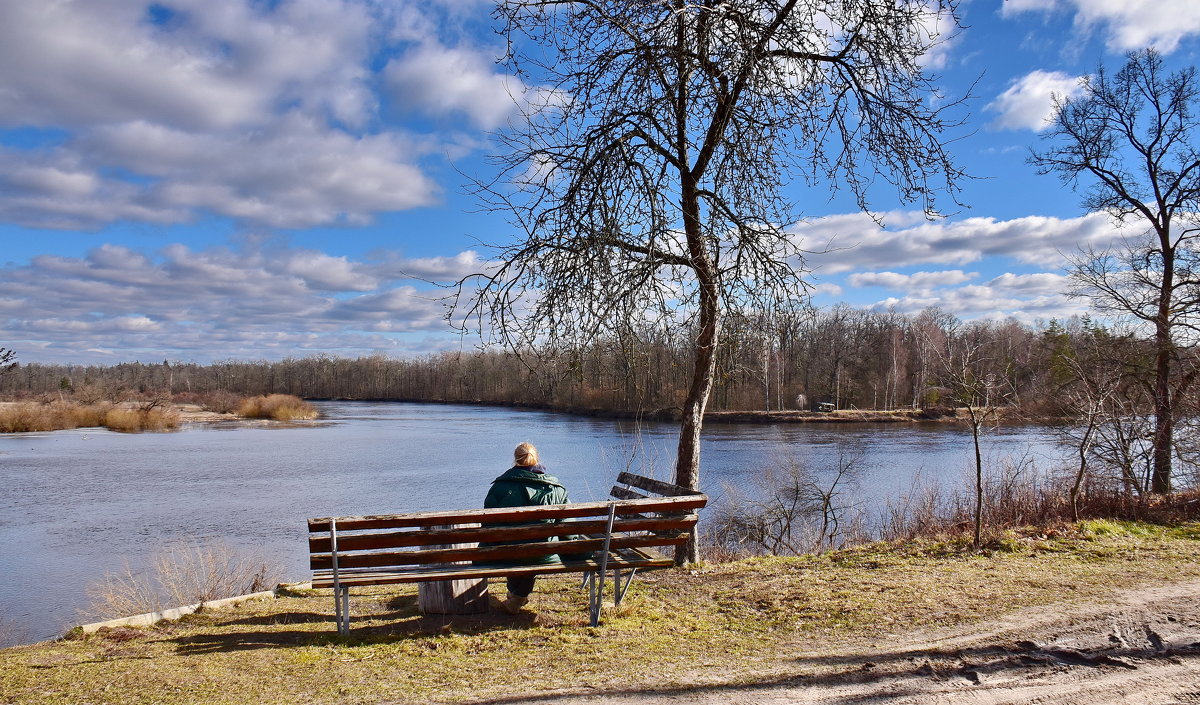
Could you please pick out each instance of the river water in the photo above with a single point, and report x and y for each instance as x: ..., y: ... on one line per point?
x: 77, y: 504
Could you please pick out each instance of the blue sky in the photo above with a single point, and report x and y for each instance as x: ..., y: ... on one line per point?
x: 201, y: 180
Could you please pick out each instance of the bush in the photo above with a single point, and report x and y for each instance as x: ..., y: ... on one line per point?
x: 793, y: 509
x: 280, y: 407
x: 220, y: 402
x: 192, y: 573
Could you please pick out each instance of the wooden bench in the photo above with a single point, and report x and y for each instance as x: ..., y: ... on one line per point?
x: 621, y: 535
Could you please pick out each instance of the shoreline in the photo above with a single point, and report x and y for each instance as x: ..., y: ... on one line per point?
x: 672, y: 415
x: 191, y: 413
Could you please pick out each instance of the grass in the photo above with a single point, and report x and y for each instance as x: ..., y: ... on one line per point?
x: 280, y: 407
x: 750, y: 620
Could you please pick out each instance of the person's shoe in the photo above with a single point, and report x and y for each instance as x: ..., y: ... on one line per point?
x: 512, y: 605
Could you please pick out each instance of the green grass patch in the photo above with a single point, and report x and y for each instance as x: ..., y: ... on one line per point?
x: 732, y: 623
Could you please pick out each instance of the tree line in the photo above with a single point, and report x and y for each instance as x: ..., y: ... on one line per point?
x: 848, y: 357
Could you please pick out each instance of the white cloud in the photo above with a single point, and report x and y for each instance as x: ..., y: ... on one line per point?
x: 855, y: 242
x: 266, y: 113
x: 1012, y: 7
x: 987, y: 302
x: 1029, y: 102
x: 214, y: 64
x: 1128, y: 24
x: 294, y: 173
x: 1040, y: 284
x: 939, y: 29
x: 217, y: 303
x: 324, y: 273
x: 918, y: 281
x: 438, y: 269
x: 832, y: 290
x: 442, y: 81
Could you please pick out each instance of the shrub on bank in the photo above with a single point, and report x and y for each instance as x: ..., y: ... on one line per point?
x: 128, y: 420
x: 795, y: 509
x: 280, y: 407
x: 185, y: 574
x: 220, y: 402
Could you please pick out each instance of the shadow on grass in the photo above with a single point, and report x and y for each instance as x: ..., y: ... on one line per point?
x: 376, y: 628
x: 907, y: 673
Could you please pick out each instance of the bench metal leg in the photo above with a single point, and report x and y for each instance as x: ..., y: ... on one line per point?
x: 341, y: 608
x: 594, y: 598
x: 620, y: 588
x: 598, y: 579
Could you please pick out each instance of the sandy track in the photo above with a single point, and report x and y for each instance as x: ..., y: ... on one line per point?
x: 1141, y: 647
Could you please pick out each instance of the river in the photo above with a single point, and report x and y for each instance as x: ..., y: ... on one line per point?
x: 77, y: 504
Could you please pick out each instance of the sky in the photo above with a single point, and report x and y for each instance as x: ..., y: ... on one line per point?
x: 202, y: 180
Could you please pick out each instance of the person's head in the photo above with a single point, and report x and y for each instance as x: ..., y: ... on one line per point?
x: 525, y: 455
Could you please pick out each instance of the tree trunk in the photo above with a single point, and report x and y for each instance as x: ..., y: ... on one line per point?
x: 1164, y: 405
x: 1164, y: 424
x: 975, y: 421
x: 453, y: 596
x: 687, y: 459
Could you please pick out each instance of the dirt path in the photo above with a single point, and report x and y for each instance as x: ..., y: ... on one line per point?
x: 1140, y: 647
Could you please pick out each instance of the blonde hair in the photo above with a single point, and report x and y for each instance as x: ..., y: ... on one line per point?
x: 525, y: 455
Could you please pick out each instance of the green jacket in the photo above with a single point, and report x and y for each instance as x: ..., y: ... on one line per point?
x: 522, y: 487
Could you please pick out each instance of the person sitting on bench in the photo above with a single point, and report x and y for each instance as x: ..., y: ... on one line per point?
x: 525, y: 484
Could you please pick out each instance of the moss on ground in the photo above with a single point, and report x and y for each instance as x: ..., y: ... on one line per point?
x: 727, y: 623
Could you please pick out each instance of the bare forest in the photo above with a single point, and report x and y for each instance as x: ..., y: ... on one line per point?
x: 846, y: 357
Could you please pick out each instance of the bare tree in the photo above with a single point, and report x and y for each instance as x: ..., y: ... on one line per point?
x: 969, y: 373
x: 648, y: 175
x: 1132, y: 138
x: 8, y: 360
x: 1090, y: 401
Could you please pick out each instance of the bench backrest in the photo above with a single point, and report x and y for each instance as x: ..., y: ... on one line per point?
x: 639, y: 520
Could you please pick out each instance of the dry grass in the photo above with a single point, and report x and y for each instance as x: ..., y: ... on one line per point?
x: 280, y: 407
x: 748, y: 621
x: 27, y: 416
x: 187, y: 574
x: 132, y: 420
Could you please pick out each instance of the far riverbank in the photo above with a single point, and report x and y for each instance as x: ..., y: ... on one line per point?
x: 673, y: 415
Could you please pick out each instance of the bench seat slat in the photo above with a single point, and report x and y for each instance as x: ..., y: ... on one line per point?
x: 324, y: 579
x: 516, y: 514
x: 324, y: 561
x: 403, y: 539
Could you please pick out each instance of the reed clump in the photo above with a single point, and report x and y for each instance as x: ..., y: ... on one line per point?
x: 133, y: 420
x: 35, y: 417
x: 29, y: 416
x: 280, y: 407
